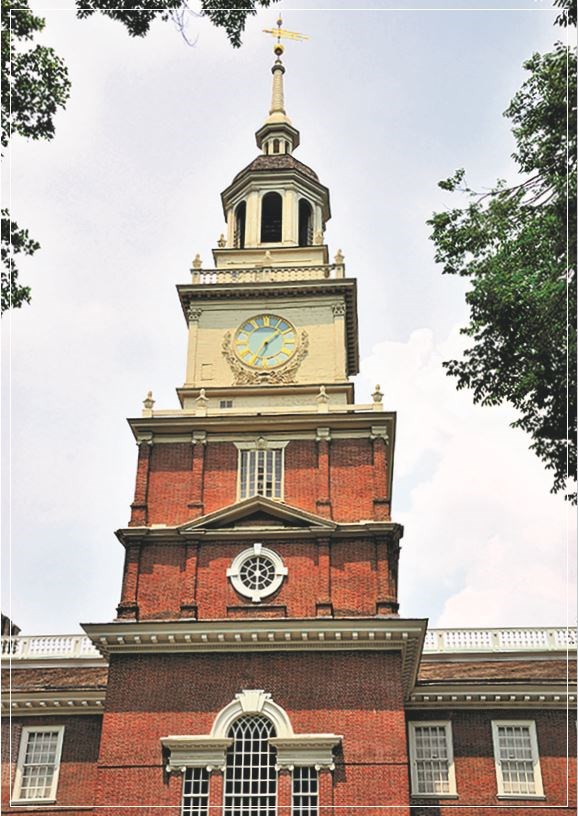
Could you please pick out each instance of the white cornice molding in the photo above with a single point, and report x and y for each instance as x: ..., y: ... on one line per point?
x: 57, y: 703
x: 486, y: 695
x: 285, y: 635
x: 202, y: 751
x: 303, y: 750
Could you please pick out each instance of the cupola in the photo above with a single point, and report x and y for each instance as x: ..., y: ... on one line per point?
x: 276, y: 208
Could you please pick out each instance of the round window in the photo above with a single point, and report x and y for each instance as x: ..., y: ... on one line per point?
x: 257, y: 572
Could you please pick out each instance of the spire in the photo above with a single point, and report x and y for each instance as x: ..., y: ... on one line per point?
x: 278, y: 125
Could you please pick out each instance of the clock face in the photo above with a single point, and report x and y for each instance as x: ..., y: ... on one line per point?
x: 265, y: 341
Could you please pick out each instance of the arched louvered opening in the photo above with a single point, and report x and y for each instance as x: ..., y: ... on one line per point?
x: 275, y: 145
x: 240, y: 219
x: 305, y: 223
x: 250, y: 775
x: 271, y: 217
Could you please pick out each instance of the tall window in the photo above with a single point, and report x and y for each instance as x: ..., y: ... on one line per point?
x: 261, y: 473
x: 305, y: 223
x: 195, y: 792
x: 517, y: 760
x: 432, y: 762
x: 305, y: 792
x: 240, y: 219
x: 271, y: 216
x: 250, y: 775
x: 38, y: 764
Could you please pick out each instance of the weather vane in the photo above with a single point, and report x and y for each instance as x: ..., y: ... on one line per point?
x: 282, y: 33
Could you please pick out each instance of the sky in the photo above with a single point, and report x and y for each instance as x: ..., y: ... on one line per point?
x: 389, y: 99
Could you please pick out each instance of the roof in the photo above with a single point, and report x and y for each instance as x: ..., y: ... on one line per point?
x: 280, y: 161
x: 496, y: 670
x: 55, y: 679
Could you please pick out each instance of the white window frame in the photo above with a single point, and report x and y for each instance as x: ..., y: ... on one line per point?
x: 19, y: 775
x: 234, y: 572
x: 447, y: 726
x: 531, y: 726
x: 263, y: 445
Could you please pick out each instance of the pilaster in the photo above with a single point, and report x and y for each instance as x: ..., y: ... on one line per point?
x: 128, y: 606
x: 381, y: 503
x: 199, y: 443
x: 324, y: 606
x: 190, y: 569
x: 323, y: 438
x: 139, y: 506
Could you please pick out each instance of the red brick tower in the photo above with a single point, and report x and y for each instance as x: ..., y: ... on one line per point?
x: 258, y: 662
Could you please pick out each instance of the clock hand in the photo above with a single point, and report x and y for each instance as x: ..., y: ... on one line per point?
x: 266, y: 342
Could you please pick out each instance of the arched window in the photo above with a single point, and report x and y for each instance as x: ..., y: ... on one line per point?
x: 271, y: 215
x: 275, y: 145
x: 250, y: 775
x: 240, y: 218
x: 305, y: 223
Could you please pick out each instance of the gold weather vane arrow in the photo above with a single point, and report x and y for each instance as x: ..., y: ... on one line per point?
x: 282, y: 33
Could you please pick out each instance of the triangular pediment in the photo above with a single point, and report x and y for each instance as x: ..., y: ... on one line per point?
x: 258, y: 512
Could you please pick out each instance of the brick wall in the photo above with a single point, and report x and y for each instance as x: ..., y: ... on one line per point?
x: 354, y: 694
x: 475, y: 768
x: 172, y: 495
x: 77, y: 779
x: 349, y: 580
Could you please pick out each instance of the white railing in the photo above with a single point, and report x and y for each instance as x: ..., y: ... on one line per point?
x: 46, y: 647
x: 267, y: 274
x: 320, y: 408
x: 499, y: 640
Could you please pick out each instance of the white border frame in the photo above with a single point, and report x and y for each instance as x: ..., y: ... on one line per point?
x: 24, y: 737
x: 256, y: 595
x: 447, y: 726
x: 531, y: 726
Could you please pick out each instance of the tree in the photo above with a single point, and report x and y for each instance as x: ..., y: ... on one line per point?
x: 138, y: 16
x: 34, y: 85
x: 517, y: 246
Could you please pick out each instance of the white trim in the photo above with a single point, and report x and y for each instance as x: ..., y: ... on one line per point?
x: 447, y: 726
x: 256, y: 594
x: 18, y: 778
x: 531, y: 726
x: 252, y: 701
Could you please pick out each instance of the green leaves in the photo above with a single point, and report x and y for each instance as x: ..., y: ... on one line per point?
x: 34, y: 85
x: 14, y: 240
x: 138, y: 16
x: 514, y: 246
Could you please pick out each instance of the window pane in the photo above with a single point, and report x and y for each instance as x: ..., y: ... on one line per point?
x: 250, y: 775
x: 432, y: 759
x: 516, y: 760
x: 39, y: 765
x: 305, y: 792
x: 260, y: 473
x: 196, y: 792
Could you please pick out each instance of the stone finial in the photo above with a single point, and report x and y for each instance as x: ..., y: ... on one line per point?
x: 339, y: 258
x: 322, y: 400
x: 197, y: 263
x: 377, y: 394
x: 268, y: 259
x: 201, y: 403
x: 148, y: 402
x: 221, y: 242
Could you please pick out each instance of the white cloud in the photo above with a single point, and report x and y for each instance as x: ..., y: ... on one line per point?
x: 485, y: 542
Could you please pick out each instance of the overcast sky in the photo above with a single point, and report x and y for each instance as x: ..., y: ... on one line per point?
x: 388, y: 101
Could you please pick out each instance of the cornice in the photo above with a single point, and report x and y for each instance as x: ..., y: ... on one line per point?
x: 129, y: 536
x: 221, y: 424
x: 280, y: 635
x: 56, y: 703
x: 486, y: 695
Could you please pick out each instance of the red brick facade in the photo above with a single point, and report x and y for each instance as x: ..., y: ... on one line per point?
x: 177, y: 482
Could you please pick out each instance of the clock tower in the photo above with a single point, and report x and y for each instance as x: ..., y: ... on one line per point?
x: 257, y: 661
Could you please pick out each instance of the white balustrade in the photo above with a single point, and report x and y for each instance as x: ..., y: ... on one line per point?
x: 499, y: 640
x: 47, y: 647
x: 266, y: 273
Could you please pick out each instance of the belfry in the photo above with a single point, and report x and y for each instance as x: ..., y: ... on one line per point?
x: 258, y: 664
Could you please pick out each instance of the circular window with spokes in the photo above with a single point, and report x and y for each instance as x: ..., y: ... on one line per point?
x: 257, y: 573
